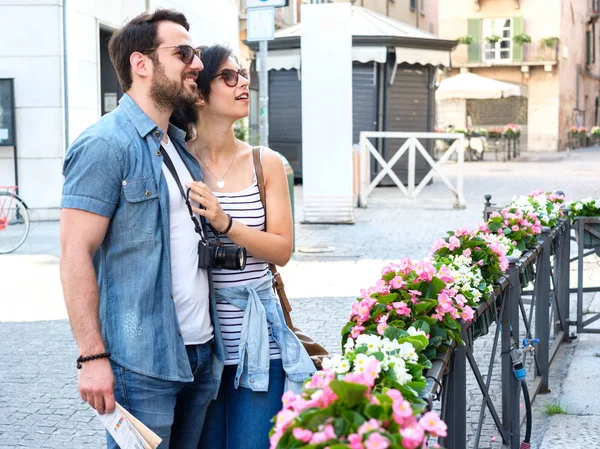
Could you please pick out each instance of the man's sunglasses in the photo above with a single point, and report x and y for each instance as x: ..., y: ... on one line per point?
x: 231, y: 77
x: 186, y: 52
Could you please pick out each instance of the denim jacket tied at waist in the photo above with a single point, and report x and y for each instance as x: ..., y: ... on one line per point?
x: 260, y: 306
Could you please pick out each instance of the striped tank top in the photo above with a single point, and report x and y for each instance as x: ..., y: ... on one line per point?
x: 245, y: 207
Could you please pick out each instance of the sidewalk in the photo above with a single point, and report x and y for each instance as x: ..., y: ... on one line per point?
x: 39, y: 403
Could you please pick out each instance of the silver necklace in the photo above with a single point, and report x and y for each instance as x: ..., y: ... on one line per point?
x: 220, y: 182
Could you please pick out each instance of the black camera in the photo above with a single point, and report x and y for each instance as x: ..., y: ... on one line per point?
x: 215, y: 254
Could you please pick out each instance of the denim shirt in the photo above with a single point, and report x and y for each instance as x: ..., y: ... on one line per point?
x: 257, y: 300
x: 114, y: 169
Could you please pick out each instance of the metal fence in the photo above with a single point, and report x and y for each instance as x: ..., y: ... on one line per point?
x: 587, y: 236
x: 538, y: 319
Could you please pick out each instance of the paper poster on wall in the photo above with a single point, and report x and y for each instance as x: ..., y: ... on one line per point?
x: 7, y: 113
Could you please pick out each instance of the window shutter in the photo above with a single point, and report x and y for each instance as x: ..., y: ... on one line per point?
x: 518, y: 27
x: 474, y: 30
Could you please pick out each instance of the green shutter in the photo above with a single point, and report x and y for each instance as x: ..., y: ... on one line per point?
x: 518, y: 27
x: 474, y: 30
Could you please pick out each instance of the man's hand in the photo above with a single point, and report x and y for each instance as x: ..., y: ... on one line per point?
x: 96, y: 385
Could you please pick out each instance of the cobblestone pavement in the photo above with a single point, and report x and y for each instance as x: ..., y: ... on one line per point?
x: 39, y: 403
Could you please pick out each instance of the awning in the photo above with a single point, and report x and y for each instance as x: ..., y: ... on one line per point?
x: 291, y: 59
x: 368, y: 54
x: 422, y: 56
x: 281, y: 60
x: 475, y: 87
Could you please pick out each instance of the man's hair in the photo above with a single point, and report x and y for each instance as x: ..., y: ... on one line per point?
x: 139, y: 34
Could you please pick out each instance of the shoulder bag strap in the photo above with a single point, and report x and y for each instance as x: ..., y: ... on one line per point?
x: 277, y: 281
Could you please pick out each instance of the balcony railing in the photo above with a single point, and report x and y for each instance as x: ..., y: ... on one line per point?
x: 532, y: 53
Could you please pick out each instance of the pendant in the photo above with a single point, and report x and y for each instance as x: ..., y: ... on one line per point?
x: 220, y: 183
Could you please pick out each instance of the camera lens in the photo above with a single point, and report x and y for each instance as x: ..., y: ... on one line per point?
x: 230, y: 257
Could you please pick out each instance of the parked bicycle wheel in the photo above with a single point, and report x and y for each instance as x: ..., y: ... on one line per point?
x: 14, y: 222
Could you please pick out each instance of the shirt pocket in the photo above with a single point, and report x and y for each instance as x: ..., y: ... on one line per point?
x: 142, y: 205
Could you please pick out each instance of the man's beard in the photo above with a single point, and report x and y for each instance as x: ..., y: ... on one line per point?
x: 168, y: 94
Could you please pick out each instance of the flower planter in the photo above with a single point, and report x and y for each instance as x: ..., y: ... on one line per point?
x: 590, y: 240
x: 482, y: 325
x: 526, y: 275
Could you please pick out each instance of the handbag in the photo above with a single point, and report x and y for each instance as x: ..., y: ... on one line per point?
x: 314, y: 349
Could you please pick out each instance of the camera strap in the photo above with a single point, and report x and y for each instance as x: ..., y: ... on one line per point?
x: 186, y: 197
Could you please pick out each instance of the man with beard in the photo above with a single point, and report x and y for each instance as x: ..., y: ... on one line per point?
x: 137, y: 302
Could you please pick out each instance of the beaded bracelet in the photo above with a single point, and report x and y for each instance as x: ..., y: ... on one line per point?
x: 87, y: 358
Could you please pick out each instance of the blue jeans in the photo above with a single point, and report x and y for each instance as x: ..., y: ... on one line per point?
x: 175, y: 411
x: 241, y: 418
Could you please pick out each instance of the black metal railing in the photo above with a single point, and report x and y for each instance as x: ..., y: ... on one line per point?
x: 515, y: 315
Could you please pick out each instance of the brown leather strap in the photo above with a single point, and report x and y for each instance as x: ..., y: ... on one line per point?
x: 277, y: 280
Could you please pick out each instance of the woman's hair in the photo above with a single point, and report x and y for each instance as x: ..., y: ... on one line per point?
x: 213, y: 58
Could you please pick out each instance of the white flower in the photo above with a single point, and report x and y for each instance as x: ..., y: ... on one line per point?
x: 349, y: 346
x: 389, y: 345
x: 402, y: 374
x: 597, y: 204
x: 360, y: 363
x: 412, y: 331
x: 372, y: 342
x: 408, y: 353
x: 578, y: 207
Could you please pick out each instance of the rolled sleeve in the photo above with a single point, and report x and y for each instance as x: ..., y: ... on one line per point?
x: 93, y: 176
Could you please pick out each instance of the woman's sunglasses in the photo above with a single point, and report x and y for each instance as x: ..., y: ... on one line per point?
x: 186, y: 52
x: 231, y: 77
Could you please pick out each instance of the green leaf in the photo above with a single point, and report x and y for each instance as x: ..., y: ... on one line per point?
x: 378, y: 309
x: 424, y: 361
x: 374, y: 411
x: 398, y: 324
x: 340, y: 426
x: 450, y: 322
x: 506, y: 231
x: 423, y: 306
x: 430, y: 352
x: 354, y: 418
x: 348, y: 393
x: 422, y: 325
x: 493, y: 226
x: 387, y: 299
x: 393, y: 333
x: 439, y: 331
x: 315, y: 418
x: 378, y: 355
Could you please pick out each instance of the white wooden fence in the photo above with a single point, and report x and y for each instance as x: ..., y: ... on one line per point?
x: 412, y: 145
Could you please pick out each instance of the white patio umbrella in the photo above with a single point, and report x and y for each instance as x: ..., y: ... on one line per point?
x: 474, y: 87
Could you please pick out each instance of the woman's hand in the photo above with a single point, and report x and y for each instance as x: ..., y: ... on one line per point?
x: 212, y: 211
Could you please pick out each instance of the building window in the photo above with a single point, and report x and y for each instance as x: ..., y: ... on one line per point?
x: 422, y: 7
x: 501, y: 50
x: 413, y: 5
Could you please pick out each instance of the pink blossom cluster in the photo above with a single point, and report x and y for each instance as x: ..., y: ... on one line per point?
x: 516, y: 220
x: 372, y: 434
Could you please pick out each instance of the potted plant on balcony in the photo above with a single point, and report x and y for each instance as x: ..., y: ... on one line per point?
x: 492, y: 39
x: 521, y: 38
x: 466, y: 40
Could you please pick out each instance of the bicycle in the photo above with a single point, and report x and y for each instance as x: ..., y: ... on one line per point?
x: 14, y: 220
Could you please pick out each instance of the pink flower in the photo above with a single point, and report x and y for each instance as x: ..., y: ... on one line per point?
x: 274, y: 439
x: 397, y: 283
x: 386, y: 270
x: 432, y: 423
x: 461, y: 231
x: 321, y: 437
x: 284, y: 417
x: 444, y: 274
x: 453, y: 243
x: 320, y: 379
x: 515, y: 228
x: 376, y: 441
x: 467, y: 252
x: 402, y: 411
x: 467, y: 314
x: 303, y: 435
x: 382, y: 287
x: 356, y: 331
x: 412, y: 437
x: 371, y: 373
x: 401, y: 308
x: 355, y: 441
x: 288, y: 398
x: 369, y: 426
x: 382, y: 326
x: 483, y: 227
x: 437, y: 244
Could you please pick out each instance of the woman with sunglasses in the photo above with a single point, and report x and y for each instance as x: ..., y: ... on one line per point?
x: 264, y: 357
